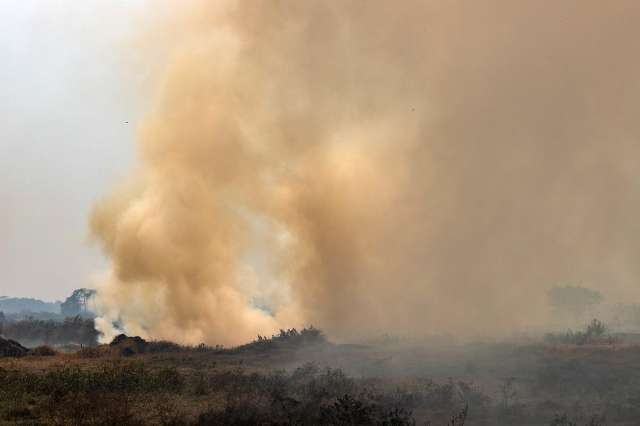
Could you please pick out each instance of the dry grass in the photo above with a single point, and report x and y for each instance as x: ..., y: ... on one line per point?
x: 224, y: 387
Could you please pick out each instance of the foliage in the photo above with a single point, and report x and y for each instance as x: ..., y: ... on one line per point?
x: 285, y: 339
x: 14, y: 305
x: 111, y: 393
x: 33, y: 332
x: 308, y: 396
x: 187, y: 385
x: 131, y: 345
x: 11, y: 348
x: 164, y: 346
x: 77, y: 303
x: 595, y: 332
x: 71, y: 395
x: 574, y: 299
x: 43, y: 350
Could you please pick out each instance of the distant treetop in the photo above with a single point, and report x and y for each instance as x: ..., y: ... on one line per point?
x: 574, y: 299
x: 78, y: 303
x: 12, y: 305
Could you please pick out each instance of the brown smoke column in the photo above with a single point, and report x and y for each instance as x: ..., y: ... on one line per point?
x: 420, y: 167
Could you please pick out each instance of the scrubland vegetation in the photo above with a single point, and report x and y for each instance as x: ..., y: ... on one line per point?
x: 300, y: 378
x: 594, y: 333
x: 55, y: 372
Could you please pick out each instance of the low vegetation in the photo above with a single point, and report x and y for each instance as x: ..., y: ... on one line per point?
x: 286, y: 339
x: 594, y: 333
x: 297, y: 377
x: 119, y: 392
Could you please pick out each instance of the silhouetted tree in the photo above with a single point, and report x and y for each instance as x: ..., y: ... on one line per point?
x: 574, y: 300
x: 77, y: 303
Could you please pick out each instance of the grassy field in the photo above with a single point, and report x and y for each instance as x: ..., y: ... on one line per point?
x: 294, y: 380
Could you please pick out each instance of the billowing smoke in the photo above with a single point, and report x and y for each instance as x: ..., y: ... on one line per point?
x: 366, y: 166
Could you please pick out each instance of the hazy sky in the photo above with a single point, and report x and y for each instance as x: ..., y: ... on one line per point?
x: 66, y: 91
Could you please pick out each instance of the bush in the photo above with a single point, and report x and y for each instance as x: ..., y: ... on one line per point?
x: 89, y: 352
x: 595, y: 332
x: 290, y: 338
x: 43, y: 351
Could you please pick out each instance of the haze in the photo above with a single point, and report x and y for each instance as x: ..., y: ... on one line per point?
x: 417, y: 167
x: 65, y: 94
x: 359, y: 166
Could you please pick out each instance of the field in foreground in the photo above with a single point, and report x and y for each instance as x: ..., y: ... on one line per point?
x: 301, y: 379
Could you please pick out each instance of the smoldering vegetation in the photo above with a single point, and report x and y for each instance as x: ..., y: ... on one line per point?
x: 299, y: 377
x: 585, y: 374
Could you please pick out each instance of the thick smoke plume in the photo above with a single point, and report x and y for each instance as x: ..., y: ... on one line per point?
x: 365, y: 166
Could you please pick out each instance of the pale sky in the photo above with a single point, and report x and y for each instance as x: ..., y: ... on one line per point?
x: 66, y: 91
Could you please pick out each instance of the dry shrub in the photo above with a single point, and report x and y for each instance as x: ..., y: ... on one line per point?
x: 43, y: 350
